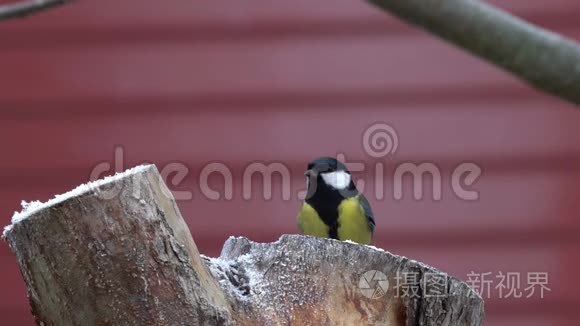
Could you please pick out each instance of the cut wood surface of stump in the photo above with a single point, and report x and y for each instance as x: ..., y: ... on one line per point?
x: 118, y: 252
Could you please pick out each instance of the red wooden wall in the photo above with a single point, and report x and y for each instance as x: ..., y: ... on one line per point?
x: 202, y: 81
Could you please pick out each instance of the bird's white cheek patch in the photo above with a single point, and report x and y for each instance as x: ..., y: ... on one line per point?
x: 337, y: 180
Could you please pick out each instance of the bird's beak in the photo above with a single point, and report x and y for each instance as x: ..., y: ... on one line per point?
x: 309, y: 173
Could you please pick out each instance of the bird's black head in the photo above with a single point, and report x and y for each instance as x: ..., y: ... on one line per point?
x: 328, y: 176
x: 325, y: 165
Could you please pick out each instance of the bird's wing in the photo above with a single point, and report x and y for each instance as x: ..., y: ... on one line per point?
x: 368, y: 212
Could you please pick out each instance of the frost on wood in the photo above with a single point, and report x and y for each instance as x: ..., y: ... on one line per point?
x: 29, y: 208
x: 118, y: 252
x: 301, y: 280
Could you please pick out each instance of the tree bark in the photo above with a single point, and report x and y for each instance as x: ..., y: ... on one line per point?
x: 545, y: 60
x: 119, y: 253
x: 302, y: 280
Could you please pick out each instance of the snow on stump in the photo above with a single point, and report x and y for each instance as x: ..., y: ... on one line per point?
x: 118, y: 252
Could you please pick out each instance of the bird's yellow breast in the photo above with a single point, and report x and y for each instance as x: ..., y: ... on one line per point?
x: 310, y: 222
x: 352, y: 222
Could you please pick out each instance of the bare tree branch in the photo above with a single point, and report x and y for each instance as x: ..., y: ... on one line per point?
x: 544, y: 59
x: 24, y: 8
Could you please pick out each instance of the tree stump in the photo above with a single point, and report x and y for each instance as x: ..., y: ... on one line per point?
x: 118, y: 252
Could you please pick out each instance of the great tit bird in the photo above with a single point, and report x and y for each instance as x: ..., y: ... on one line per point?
x: 333, y: 207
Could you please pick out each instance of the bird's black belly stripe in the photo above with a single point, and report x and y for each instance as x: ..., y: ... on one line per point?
x: 333, y: 231
x: 327, y: 208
